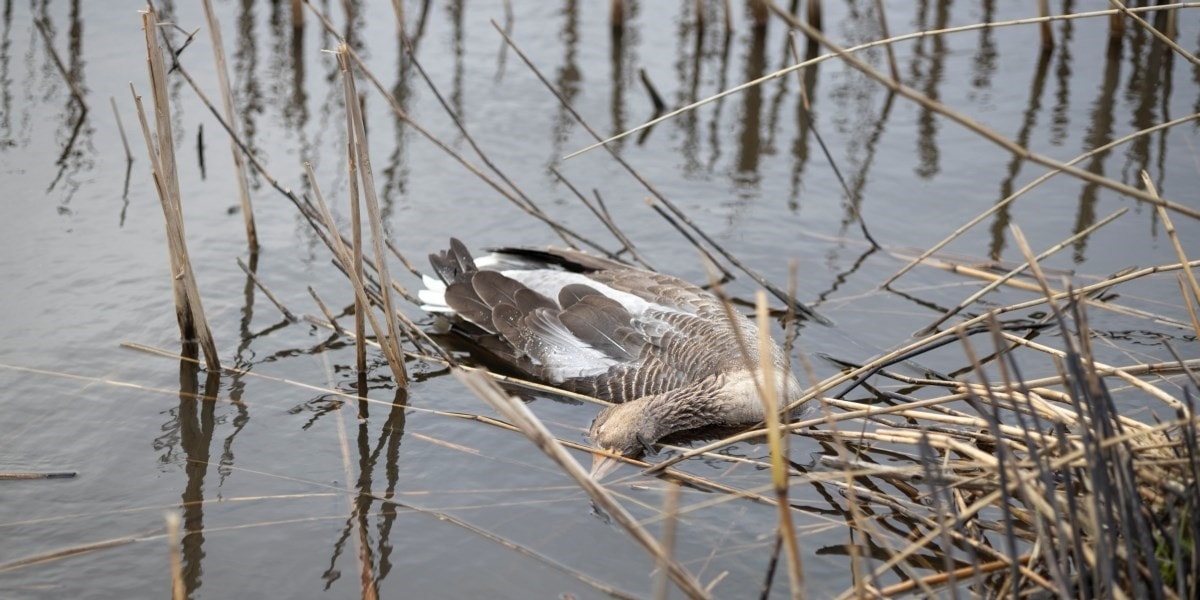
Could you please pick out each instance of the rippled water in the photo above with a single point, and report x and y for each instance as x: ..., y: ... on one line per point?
x: 260, y: 476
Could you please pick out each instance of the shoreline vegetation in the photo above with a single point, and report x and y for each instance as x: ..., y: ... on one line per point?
x: 982, y: 481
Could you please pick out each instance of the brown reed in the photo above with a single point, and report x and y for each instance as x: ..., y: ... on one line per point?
x: 239, y: 164
x: 188, y: 308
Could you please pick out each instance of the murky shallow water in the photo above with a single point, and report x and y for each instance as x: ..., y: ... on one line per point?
x: 264, y: 470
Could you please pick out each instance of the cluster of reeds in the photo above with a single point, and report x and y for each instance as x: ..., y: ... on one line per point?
x: 1000, y: 484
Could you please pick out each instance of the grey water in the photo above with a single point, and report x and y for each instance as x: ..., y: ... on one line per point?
x: 264, y: 476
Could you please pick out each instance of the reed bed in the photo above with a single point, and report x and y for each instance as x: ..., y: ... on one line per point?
x: 984, y: 481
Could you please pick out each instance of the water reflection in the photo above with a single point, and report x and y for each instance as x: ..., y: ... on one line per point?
x: 196, y: 421
x: 374, y: 548
x: 752, y: 145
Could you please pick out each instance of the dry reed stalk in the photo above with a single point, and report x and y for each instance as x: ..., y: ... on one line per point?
x: 362, y: 159
x: 391, y: 351
x: 779, y: 459
x: 356, y: 238
x: 1044, y: 27
x: 287, y: 314
x: 900, y: 38
x: 121, y: 129
x: 1190, y: 301
x: 325, y: 311
x: 1100, y: 367
x: 239, y: 164
x: 1029, y: 186
x: 516, y: 411
x: 54, y: 555
x: 1020, y: 268
x: 189, y: 310
x: 891, y: 53
x: 1160, y: 36
x: 670, y: 514
x: 978, y: 128
x: 606, y: 219
x: 1174, y: 237
x: 26, y: 476
x: 178, y: 591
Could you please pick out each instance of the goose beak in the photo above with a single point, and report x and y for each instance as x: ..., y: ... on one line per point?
x: 602, y: 465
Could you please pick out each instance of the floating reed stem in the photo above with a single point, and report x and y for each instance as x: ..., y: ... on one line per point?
x: 361, y: 160
x: 178, y: 591
x: 239, y: 163
x: 188, y: 309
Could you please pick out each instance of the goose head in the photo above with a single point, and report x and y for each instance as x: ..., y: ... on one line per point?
x: 620, y: 430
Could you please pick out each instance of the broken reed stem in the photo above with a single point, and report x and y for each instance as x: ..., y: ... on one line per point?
x: 329, y: 315
x: 121, y: 129
x: 239, y: 164
x: 188, y: 308
x: 779, y: 459
x: 515, y: 411
x: 391, y: 352
x: 356, y: 241
x: 178, y: 591
x: 362, y: 159
x: 287, y: 314
x: 1174, y: 237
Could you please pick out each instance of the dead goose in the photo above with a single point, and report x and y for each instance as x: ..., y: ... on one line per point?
x: 661, y: 349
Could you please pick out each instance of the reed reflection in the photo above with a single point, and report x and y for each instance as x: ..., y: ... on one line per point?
x: 926, y: 73
x: 373, y: 546
x: 1099, y: 132
x: 196, y: 423
x: 1029, y: 118
x: 749, y: 138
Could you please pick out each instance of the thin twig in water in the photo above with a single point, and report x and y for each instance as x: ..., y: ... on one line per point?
x: 287, y: 314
